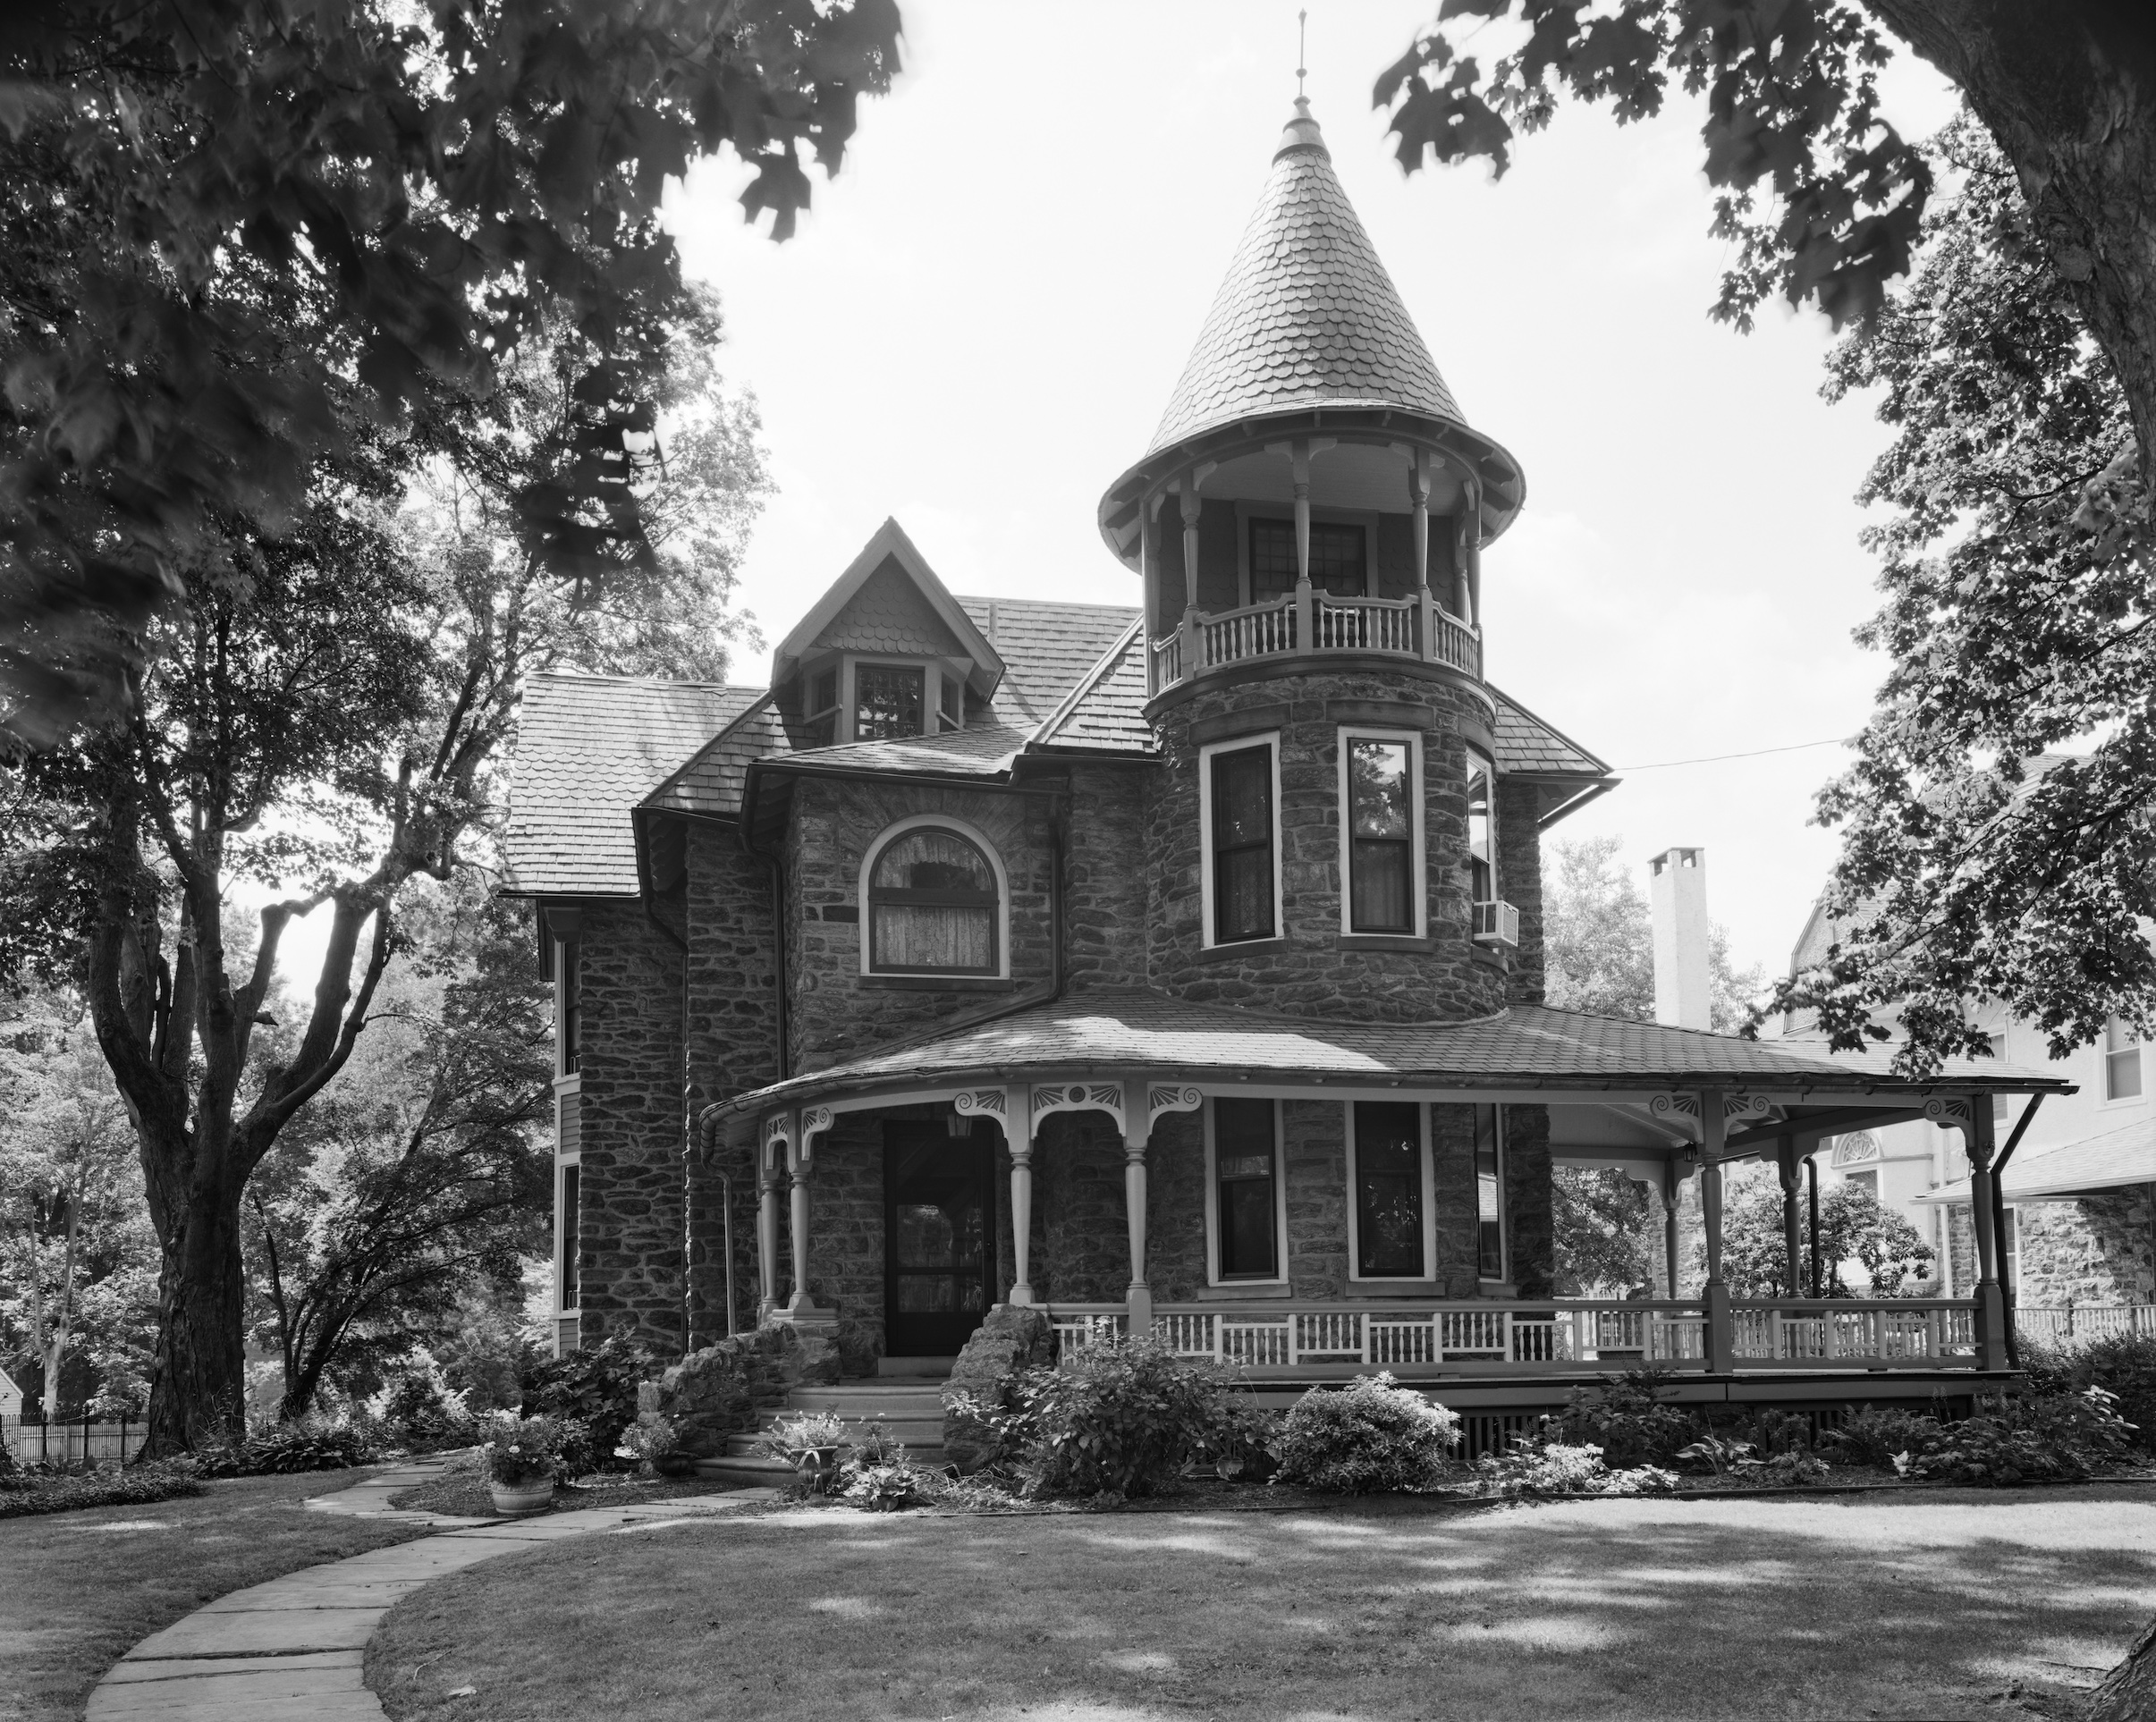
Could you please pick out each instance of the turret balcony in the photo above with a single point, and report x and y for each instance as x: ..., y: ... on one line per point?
x: 1414, y: 628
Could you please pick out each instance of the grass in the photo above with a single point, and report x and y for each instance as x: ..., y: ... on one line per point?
x: 77, y: 1590
x: 1959, y: 1603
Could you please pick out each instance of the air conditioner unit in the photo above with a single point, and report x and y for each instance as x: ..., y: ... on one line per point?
x: 1497, y: 924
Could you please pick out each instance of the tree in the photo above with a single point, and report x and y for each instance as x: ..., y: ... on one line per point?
x: 1852, y: 1227
x: 1598, y: 942
x: 1600, y: 1219
x: 1976, y: 862
x: 322, y: 716
x: 74, y: 1251
x: 422, y: 1170
x: 441, y: 183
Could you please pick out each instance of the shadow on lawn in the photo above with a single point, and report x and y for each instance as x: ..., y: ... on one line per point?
x: 1981, y: 1605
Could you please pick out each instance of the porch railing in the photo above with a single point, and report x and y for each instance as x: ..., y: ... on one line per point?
x: 1493, y: 1337
x: 1390, y: 626
x: 2077, y: 1323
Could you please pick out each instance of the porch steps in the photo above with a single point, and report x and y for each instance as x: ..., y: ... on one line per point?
x: 911, y: 1410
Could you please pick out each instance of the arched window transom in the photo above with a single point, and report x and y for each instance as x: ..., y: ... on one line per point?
x: 933, y: 907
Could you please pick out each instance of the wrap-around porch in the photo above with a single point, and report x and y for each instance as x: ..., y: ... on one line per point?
x: 1272, y: 1298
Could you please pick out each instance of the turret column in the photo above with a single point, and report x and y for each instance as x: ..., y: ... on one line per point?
x: 1418, y: 492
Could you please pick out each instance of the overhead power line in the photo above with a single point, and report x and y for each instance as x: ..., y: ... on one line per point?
x: 1713, y: 759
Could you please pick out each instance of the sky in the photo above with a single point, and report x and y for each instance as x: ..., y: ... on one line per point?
x: 979, y: 322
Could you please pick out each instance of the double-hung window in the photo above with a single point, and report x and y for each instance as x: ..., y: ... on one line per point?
x: 1482, y: 828
x: 1380, y: 836
x: 565, y: 1236
x: 1246, y: 1190
x: 2121, y: 1059
x: 1490, y: 1192
x: 1240, y: 833
x: 1339, y: 565
x: 1391, y: 1206
x: 570, y: 1003
x: 1999, y: 1051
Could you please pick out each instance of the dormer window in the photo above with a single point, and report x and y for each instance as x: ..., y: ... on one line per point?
x: 888, y: 700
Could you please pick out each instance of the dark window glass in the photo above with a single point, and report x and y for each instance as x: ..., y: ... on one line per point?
x: 886, y: 701
x: 571, y: 984
x: 1389, y: 1190
x: 954, y: 694
x: 824, y: 693
x: 1482, y: 853
x: 932, y: 907
x: 1243, y: 1163
x: 565, y: 1272
x: 1490, y: 1192
x: 1336, y: 560
x: 1380, y: 837
x: 1242, y: 845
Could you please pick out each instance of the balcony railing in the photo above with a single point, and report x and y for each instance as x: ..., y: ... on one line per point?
x: 1388, y: 627
x: 1511, y: 1337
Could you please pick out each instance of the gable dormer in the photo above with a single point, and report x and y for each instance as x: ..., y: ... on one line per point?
x: 887, y: 651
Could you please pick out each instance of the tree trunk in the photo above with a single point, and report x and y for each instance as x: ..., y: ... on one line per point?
x: 198, y: 1395
x: 2128, y: 1692
x: 2067, y: 89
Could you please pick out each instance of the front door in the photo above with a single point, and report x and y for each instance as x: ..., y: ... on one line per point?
x: 938, y: 1206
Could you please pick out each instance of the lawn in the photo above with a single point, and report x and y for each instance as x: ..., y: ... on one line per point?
x: 1939, y: 1605
x: 77, y: 1590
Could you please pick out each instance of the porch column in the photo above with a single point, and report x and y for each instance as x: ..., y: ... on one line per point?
x: 1419, y: 493
x: 1722, y: 1326
x: 1136, y: 1131
x: 1017, y: 1136
x: 799, y: 1234
x: 1473, y: 508
x: 1790, y: 1165
x: 1149, y: 588
x: 1990, y: 1301
x: 768, y: 1178
x: 1304, y: 614
x: 1190, y: 505
x: 1673, y: 1194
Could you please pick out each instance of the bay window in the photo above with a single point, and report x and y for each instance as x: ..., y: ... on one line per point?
x: 1481, y: 829
x: 1240, y: 813
x: 1381, y: 843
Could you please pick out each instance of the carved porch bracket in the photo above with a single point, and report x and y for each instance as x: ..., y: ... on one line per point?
x: 1078, y: 1097
x: 1162, y: 1098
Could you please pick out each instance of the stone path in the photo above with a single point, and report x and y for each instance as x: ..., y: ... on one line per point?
x: 293, y: 1647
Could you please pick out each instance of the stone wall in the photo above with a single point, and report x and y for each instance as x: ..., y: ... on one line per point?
x: 2093, y: 1251
x: 631, y: 1201
x: 1519, y: 882
x: 1105, y: 885
x: 834, y: 1011
x: 1530, y: 1226
x: 1078, y: 1185
x: 1313, y: 1152
x: 1312, y: 968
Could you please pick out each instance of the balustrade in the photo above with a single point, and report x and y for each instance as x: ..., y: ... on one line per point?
x: 1388, y: 627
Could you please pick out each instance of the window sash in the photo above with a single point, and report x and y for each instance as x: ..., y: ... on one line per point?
x: 948, y: 929
x: 1380, y: 819
x: 1246, y: 1201
x: 1390, y: 1229
x: 1241, y: 789
x: 566, y: 1284
x: 1339, y: 561
x: 2122, y: 1074
x: 1489, y: 1193
x: 1481, y: 829
x: 570, y: 957
x: 888, y: 701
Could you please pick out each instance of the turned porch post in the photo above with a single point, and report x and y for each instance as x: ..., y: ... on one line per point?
x: 769, y: 1176
x: 1790, y: 1165
x: 1190, y: 505
x: 1418, y: 492
x: 1472, y: 511
x: 799, y: 1230
x: 1298, y: 455
x: 1990, y: 1300
x: 1149, y: 589
x: 1136, y: 1127
x: 1017, y: 1136
x: 1721, y: 1327
x: 1672, y: 1194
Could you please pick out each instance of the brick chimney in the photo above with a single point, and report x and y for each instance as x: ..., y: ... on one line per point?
x: 1682, y: 995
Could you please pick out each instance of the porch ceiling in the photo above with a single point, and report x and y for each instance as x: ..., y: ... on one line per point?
x: 1527, y: 1048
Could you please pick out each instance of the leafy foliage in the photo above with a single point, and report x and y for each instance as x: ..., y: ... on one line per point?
x: 1373, y: 1436
x: 1853, y: 1226
x: 2027, y: 1437
x: 1629, y: 1419
x: 23, y: 1494
x: 1874, y: 1435
x: 593, y: 1391
x: 2123, y: 1365
x: 521, y: 1450
x: 1554, y: 1468
x: 1997, y: 825
x: 230, y: 237
x: 314, y: 1443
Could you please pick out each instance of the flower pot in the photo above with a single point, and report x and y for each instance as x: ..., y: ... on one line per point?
x: 817, y: 1467
x: 511, y: 1500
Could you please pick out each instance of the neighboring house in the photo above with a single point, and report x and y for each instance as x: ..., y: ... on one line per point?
x: 11, y: 1399
x: 1176, y: 967
x: 2080, y: 1190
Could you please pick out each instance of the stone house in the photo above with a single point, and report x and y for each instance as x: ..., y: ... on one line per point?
x: 1176, y: 968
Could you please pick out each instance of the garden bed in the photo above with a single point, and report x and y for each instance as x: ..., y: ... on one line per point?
x: 461, y: 1490
x: 33, y: 1493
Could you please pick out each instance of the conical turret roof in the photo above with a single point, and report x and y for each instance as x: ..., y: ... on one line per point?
x: 1308, y: 316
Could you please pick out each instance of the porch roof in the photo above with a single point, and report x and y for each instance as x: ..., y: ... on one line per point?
x: 1525, y: 1047
x: 2114, y: 1160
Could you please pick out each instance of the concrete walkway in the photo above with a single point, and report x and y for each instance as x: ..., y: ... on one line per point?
x: 293, y: 1647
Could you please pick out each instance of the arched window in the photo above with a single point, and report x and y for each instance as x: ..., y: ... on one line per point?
x: 933, y: 907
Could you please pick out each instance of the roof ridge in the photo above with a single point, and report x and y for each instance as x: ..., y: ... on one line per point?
x: 646, y: 681
x: 1044, y: 603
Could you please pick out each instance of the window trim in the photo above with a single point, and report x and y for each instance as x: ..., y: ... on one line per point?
x: 1419, y: 881
x: 564, y: 1242
x: 974, y: 835
x: 567, y: 1005
x: 1497, y: 885
x: 1499, y: 1125
x: 1245, y: 512
x: 1270, y: 740
x: 2134, y: 1049
x: 849, y: 708
x: 1356, y: 1275
x: 1213, y: 1276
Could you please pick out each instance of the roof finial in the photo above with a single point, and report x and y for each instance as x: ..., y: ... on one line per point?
x: 1302, y: 44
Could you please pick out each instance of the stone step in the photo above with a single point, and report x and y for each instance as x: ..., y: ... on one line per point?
x: 746, y: 1471
x: 915, y: 1433
x: 933, y: 1369
x: 852, y: 1402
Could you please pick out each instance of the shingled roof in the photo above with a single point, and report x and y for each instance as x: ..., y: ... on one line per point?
x: 1308, y: 316
x: 1047, y: 648
x: 1528, y: 1045
x: 1528, y: 747
x: 589, y: 749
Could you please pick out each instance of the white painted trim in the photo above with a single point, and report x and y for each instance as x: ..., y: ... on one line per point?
x: 1246, y: 512
x: 974, y: 835
x: 1417, y: 859
x: 1354, y: 1248
x: 1504, y: 1205
x: 564, y: 1163
x: 849, y: 708
x: 1268, y: 738
x: 1213, y: 1202
x: 1467, y: 849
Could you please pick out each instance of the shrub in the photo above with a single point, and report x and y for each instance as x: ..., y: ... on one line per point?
x: 593, y: 1391
x: 423, y: 1411
x: 527, y: 1450
x: 650, y: 1439
x: 2028, y: 1437
x: 1122, y: 1417
x: 1372, y: 1436
x: 1555, y: 1468
x: 886, y: 1487
x: 30, y: 1492
x: 314, y: 1442
x: 1629, y: 1419
x: 2123, y: 1365
x: 1874, y: 1438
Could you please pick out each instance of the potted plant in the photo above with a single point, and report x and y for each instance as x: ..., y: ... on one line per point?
x: 522, y: 1462
x: 811, y: 1445
x: 652, y: 1442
